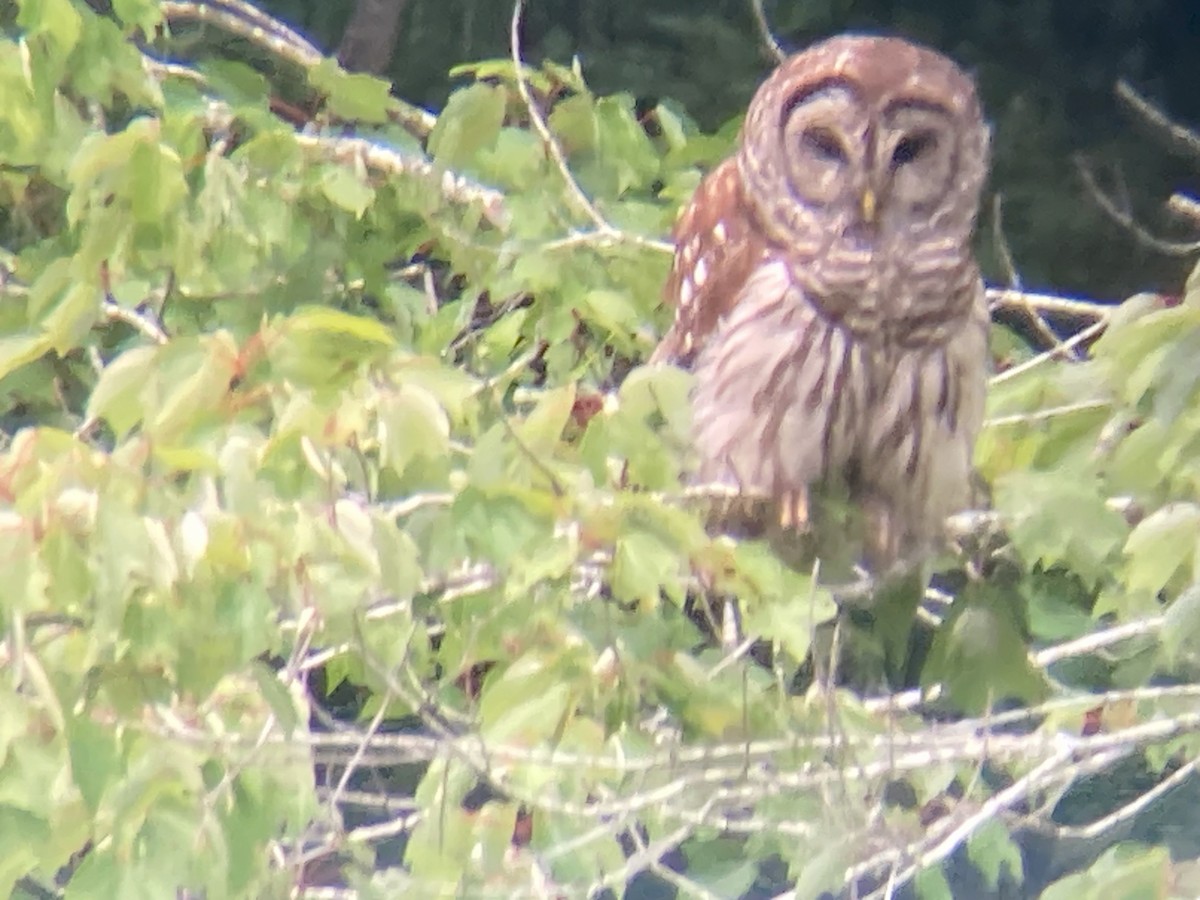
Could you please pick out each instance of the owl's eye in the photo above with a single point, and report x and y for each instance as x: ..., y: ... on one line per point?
x: 824, y: 144
x: 911, y: 146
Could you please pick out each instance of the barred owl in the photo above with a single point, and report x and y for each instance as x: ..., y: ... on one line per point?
x: 826, y: 296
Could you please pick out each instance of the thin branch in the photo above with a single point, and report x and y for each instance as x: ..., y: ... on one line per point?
x: 1123, y: 217
x: 1090, y: 643
x: 1129, y: 810
x: 1031, y: 312
x: 1019, y: 790
x: 1045, y: 415
x: 1078, y: 338
x: 1008, y: 298
x: 603, y: 229
x: 771, y: 47
x: 538, y: 121
x: 1179, y: 137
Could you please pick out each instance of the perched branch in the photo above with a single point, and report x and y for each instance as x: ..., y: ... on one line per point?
x: 454, y: 187
x: 249, y: 23
x: 245, y: 21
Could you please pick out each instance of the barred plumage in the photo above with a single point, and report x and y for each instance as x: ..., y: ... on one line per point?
x: 826, y: 297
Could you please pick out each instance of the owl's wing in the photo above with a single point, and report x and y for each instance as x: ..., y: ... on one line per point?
x: 717, y: 247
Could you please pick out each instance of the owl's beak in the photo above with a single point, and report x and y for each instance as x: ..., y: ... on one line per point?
x: 868, y: 206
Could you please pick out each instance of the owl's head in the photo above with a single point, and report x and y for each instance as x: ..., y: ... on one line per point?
x: 865, y: 143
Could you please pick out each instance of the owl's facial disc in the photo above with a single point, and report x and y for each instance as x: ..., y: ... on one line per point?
x: 915, y: 161
x: 823, y: 132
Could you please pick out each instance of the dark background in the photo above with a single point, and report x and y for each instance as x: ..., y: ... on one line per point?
x: 1046, y: 69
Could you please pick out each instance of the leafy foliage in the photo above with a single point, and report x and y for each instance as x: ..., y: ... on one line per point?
x: 293, y: 418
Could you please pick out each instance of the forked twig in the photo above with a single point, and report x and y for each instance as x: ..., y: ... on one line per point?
x: 1124, y: 217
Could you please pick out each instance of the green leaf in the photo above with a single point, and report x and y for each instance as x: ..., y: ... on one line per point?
x: 993, y: 851
x: 573, y: 122
x: 1180, y: 632
x: 156, y: 186
x: 316, y: 320
x: 322, y: 348
x: 67, y: 324
x: 788, y: 603
x: 20, y: 833
x: 143, y: 14
x: 116, y: 398
x: 930, y: 884
x: 1127, y: 870
x: 526, y: 705
x: 415, y: 426
x: 55, y: 20
x: 624, y: 146
x: 642, y: 565
x: 94, y: 758
x: 356, y: 97
x: 20, y: 350
x: 1058, y: 516
x: 500, y: 526
x: 1160, y: 545
x: 980, y: 653
x: 542, y: 429
x: 277, y: 697
x: 347, y: 189
x: 469, y: 124
x: 721, y: 866
x: 185, y: 402
x: 98, y: 875
x: 823, y: 871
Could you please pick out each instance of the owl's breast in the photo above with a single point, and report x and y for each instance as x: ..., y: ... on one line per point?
x: 890, y: 291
